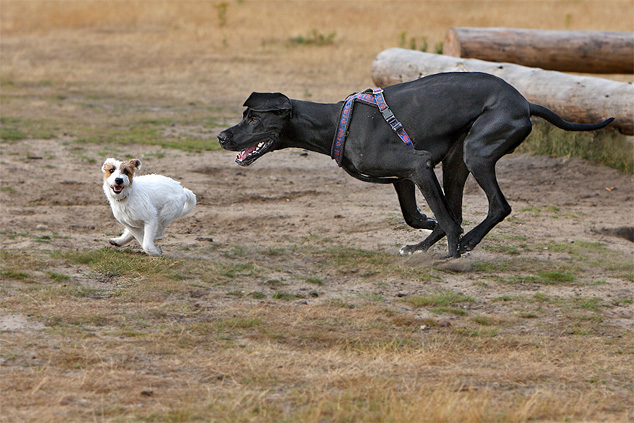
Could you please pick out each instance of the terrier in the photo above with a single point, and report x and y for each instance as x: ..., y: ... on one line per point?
x: 145, y: 205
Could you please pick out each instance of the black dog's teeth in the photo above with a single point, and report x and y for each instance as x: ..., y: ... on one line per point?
x: 256, y: 151
x: 251, y: 154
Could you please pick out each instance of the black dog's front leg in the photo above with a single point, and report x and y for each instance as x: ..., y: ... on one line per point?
x: 455, y: 175
x: 406, y: 191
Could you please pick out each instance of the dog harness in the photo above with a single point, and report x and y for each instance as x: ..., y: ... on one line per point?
x: 372, y: 97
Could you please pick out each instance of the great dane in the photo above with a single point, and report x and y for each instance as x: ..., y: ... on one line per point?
x: 467, y: 121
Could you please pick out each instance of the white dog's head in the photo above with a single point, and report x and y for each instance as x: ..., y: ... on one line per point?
x: 118, y: 176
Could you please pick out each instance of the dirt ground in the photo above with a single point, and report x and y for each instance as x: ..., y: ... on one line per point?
x: 290, y: 195
x: 545, y: 329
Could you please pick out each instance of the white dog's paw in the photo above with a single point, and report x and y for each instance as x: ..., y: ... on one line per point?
x: 115, y: 242
x: 153, y: 250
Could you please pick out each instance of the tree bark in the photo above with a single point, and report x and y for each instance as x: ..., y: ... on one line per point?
x: 575, y: 98
x: 567, y: 51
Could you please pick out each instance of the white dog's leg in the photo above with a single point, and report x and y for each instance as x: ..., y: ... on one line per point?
x: 149, y: 235
x: 125, y: 237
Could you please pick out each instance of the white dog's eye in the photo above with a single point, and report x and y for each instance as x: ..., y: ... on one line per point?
x: 111, y: 170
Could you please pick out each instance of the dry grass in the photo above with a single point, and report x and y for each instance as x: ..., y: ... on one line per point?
x: 129, y: 338
x: 184, y: 51
x: 141, y: 339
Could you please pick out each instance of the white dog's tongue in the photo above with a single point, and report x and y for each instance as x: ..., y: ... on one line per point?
x: 244, y: 154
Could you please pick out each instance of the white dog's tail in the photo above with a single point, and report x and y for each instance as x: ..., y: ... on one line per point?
x: 190, y: 203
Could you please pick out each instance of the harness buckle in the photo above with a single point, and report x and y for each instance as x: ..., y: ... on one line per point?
x: 388, y: 115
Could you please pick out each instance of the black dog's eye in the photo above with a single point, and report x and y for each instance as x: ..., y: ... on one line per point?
x: 253, y: 121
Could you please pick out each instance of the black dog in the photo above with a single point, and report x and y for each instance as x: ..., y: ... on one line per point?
x: 467, y: 121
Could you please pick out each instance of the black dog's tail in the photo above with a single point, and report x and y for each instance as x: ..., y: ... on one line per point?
x: 555, y: 119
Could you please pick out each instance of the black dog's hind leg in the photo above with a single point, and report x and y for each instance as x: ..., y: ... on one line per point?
x: 455, y: 175
x: 491, y: 137
x: 406, y: 191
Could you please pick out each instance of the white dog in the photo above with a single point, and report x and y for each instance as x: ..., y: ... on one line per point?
x: 144, y: 205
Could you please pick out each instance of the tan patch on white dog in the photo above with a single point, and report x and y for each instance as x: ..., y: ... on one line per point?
x: 108, y: 169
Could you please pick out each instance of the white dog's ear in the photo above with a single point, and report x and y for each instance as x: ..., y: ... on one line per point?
x: 136, y: 163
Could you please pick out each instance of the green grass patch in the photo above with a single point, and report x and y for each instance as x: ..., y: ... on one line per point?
x: 314, y: 281
x: 314, y: 38
x: 503, y: 249
x: 237, y: 270
x: 555, y: 277
x: 22, y: 265
x: 150, y: 132
x: 607, y: 147
x: 592, y: 304
x: 58, y: 277
x: 111, y: 262
x: 14, y: 274
x: 491, y: 266
x: 15, y: 129
x: 483, y: 320
x: 541, y: 297
x: 286, y: 296
x: 256, y: 295
x: 8, y: 133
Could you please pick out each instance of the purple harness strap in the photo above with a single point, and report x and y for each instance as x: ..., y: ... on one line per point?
x: 376, y: 98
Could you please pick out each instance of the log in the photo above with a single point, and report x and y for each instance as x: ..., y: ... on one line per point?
x: 580, y: 99
x: 566, y: 51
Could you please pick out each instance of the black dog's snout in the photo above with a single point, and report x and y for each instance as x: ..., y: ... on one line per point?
x: 118, y: 181
x: 223, y: 137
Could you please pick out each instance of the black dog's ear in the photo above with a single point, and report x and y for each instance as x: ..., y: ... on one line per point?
x: 269, y: 102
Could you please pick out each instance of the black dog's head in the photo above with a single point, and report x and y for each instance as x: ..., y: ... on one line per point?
x: 260, y: 129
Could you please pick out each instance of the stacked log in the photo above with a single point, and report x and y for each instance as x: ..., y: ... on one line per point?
x: 575, y: 98
x: 566, y: 51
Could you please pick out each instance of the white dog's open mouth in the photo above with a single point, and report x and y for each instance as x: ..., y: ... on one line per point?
x: 117, y: 189
x: 251, y: 154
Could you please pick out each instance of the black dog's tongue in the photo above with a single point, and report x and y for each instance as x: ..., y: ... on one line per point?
x: 244, y: 154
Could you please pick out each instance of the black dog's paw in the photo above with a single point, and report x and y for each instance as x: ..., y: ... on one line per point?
x: 464, y: 245
x: 408, y: 250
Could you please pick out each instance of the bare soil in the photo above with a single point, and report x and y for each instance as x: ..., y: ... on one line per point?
x: 325, y: 321
x: 289, y: 196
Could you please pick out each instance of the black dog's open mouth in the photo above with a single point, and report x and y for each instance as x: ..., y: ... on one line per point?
x: 117, y: 189
x: 251, y: 154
